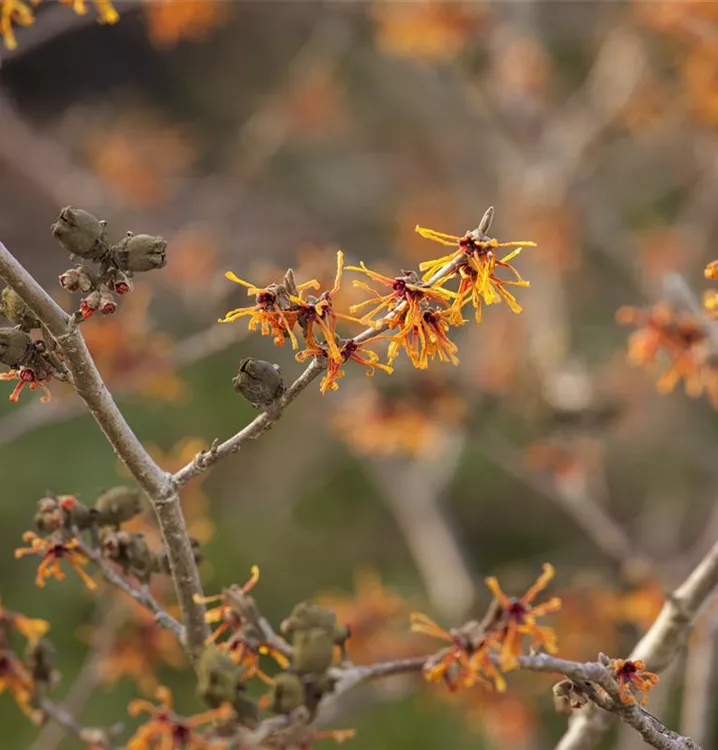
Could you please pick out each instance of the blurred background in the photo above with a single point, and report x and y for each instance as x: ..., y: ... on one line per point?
x: 257, y: 135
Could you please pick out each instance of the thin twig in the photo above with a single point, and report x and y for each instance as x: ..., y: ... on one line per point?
x: 140, y: 595
x: 658, y: 647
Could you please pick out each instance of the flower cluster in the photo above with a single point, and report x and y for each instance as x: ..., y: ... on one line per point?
x: 83, y: 235
x: 166, y: 729
x: 483, y: 651
x: 683, y: 339
x: 417, y: 312
x: 238, y: 617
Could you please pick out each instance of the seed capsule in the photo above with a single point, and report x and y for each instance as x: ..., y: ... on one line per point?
x: 118, y: 505
x: 16, y: 347
x: 80, y: 233
x: 138, y: 253
x: 259, y: 382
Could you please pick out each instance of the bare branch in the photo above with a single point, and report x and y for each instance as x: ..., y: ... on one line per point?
x: 156, y: 483
x: 658, y: 647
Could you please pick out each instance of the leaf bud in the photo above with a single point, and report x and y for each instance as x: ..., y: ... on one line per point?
x: 139, y: 253
x: 16, y: 347
x: 118, y: 505
x: 80, y: 233
x: 16, y: 311
x: 259, y: 382
x: 288, y: 693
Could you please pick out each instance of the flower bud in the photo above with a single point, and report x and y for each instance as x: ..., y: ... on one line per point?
x: 77, y: 279
x: 80, y: 233
x: 118, y: 505
x: 90, y: 304
x: 16, y: 311
x: 259, y: 382
x: 108, y: 306
x: 16, y: 347
x: 122, y: 284
x: 138, y: 253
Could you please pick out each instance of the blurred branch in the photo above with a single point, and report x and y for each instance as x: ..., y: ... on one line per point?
x: 412, y: 490
x: 104, y: 632
x: 66, y: 720
x: 658, y: 647
x: 697, y: 710
x: 574, y: 498
x: 35, y: 416
x: 156, y: 483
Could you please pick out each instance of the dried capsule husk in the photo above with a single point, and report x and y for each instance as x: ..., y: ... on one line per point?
x: 16, y: 347
x: 40, y: 660
x: 80, y: 233
x: 64, y: 511
x: 49, y: 516
x: 79, y: 279
x: 138, y: 253
x: 130, y: 551
x: 259, y: 382
x: 288, y: 693
x: 16, y: 311
x: 118, y: 505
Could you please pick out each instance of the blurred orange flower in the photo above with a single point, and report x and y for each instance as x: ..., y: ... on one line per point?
x: 171, y: 21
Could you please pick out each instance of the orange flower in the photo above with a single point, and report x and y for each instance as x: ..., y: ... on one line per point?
x: 467, y: 660
x: 238, y: 614
x: 30, y: 628
x: 518, y: 617
x: 320, y: 314
x: 165, y: 730
x: 272, y: 313
x: 349, y: 350
x: 53, y: 549
x: 711, y: 270
x: 633, y: 682
x: 15, y: 678
x: 27, y: 376
x: 426, y: 340
x: 169, y: 22
x: 138, y: 647
x: 683, y: 338
x: 479, y: 281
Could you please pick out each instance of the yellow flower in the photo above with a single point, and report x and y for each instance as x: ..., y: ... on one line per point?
x: 106, y: 12
x: 30, y: 628
x: 14, y: 11
x: 478, y: 268
x: 519, y: 615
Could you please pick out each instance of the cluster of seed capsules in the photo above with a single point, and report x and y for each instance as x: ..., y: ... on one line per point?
x: 34, y: 362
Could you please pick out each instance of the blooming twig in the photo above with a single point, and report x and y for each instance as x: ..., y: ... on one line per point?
x: 156, y: 483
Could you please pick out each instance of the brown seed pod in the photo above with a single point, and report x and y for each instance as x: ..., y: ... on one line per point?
x: 40, y: 659
x: 138, y: 253
x: 259, y: 382
x: 16, y: 347
x: 80, y: 233
x: 118, y: 505
x: 16, y: 311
